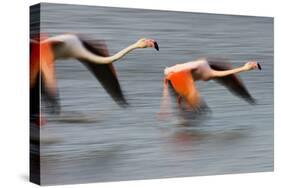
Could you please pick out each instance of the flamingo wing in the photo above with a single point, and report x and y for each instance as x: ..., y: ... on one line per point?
x: 42, y: 75
x: 232, y: 82
x: 184, y: 86
x: 34, y: 101
x: 105, y: 73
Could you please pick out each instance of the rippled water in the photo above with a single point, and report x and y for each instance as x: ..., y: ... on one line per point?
x: 95, y: 140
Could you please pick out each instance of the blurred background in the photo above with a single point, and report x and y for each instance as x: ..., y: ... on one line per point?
x: 95, y: 140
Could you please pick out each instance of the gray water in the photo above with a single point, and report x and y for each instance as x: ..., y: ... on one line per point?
x: 96, y: 140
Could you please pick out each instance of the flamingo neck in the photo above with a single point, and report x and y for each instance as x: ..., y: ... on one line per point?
x: 227, y: 72
x: 123, y: 52
x: 115, y: 57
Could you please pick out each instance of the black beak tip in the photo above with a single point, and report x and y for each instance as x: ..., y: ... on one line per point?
x: 259, y: 66
x: 156, y: 46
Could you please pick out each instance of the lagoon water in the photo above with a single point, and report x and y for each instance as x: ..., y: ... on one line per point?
x: 96, y: 140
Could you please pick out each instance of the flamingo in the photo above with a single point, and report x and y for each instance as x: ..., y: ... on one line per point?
x: 92, y: 53
x: 182, y: 78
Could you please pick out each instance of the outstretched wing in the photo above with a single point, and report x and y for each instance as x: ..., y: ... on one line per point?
x: 105, y: 73
x: 232, y: 82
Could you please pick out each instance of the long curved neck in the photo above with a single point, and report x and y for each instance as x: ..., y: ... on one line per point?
x: 227, y: 72
x: 106, y: 60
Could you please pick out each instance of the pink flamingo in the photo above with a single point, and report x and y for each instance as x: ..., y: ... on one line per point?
x: 92, y: 53
x: 182, y: 78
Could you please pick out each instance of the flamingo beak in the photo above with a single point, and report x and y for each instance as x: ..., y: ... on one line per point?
x: 259, y: 66
x: 156, y: 45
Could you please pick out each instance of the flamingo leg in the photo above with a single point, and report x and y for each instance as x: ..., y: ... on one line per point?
x: 165, y: 105
x: 179, y: 101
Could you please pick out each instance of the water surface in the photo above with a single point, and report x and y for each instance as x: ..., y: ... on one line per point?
x: 99, y: 141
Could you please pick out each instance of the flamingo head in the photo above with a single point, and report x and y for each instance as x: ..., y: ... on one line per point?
x: 252, y: 65
x: 147, y: 43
